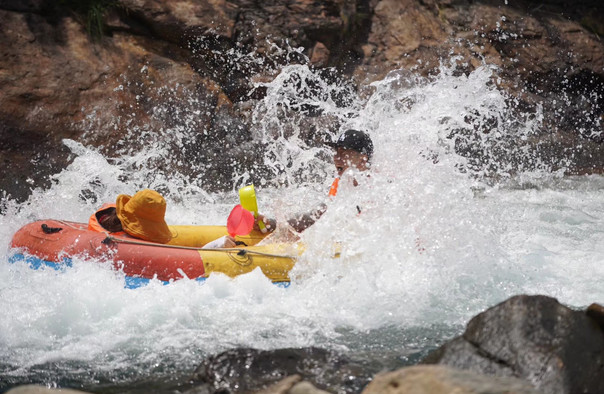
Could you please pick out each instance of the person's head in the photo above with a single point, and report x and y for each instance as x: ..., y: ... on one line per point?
x: 142, y: 215
x: 108, y: 219
x: 354, y: 148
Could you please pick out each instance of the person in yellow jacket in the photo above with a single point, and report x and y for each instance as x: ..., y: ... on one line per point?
x: 141, y: 216
x: 353, y: 149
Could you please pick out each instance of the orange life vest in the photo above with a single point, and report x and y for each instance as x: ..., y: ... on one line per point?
x: 333, y: 190
x: 93, y: 222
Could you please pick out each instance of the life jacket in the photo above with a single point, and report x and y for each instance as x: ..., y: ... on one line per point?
x: 93, y: 222
x: 333, y: 190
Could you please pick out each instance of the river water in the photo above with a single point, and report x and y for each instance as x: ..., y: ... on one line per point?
x: 440, y: 239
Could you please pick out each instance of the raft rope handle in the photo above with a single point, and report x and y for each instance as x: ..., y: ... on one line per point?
x: 68, y: 224
x: 50, y: 230
x: 240, y: 252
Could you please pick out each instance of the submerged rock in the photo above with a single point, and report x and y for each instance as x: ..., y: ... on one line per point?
x: 245, y: 370
x: 424, y: 379
x: 557, y: 349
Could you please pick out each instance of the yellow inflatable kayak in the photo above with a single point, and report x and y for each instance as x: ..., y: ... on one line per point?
x: 54, y: 242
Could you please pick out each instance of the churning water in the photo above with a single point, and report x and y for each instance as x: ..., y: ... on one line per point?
x: 441, y: 237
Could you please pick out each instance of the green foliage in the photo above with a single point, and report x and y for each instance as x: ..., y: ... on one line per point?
x: 93, y: 12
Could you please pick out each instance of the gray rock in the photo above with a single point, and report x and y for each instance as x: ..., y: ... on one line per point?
x: 292, y: 385
x: 283, y: 386
x: 245, y: 370
x: 33, y: 389
x: 426, y: 379
x: 557, y: 349
x: 596, y: 312
x: 306, y: 388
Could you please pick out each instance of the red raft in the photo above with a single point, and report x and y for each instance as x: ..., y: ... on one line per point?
x: 55, y: 242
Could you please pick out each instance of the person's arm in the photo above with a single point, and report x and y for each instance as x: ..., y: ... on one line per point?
x: 305, y: 220
x: 299, y: 223
x: 269, y: 223
x: 225, y: 241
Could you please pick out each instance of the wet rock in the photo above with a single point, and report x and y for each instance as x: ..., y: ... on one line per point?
x: 319, y: 55
x: 245, y: 370
x: 401, y: 33
x: 180, y: 20
x: 335, y: 24
x: 162, y: 67
x: 283, y: 386
x: 556, y: 349
x: 57, y: 83
x: 292, y: 385
x: 23, y: 5
x: 545, y: 53
x: 444, y: 380
x: 523, y: 38
x: 306, y: 388
x: 33, y: 389
x: 596, y: 312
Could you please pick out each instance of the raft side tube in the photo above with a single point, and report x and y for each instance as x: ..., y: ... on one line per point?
x: 198, y: 236
x: 53, y: 241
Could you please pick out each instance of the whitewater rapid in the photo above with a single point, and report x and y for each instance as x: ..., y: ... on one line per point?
x: 435, y: 244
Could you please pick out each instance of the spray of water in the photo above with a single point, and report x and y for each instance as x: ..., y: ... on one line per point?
x: 446, y: 229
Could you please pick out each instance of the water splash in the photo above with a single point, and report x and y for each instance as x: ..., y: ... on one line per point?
x: 447, y: 229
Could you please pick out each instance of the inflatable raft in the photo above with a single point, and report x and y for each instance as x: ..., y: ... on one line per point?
x: 54, y: 242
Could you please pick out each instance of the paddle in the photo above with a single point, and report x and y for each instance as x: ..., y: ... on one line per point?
x: 240, y: 221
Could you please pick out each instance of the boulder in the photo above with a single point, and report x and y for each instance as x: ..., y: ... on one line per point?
x: 596, y: 312
x: 283, y: 386
x: 432, y: 379
x: 178, y: 21
x: 33, y: 389
x: 57, y: 83
x: 555, y: 348
x: 305, y: 388
x: 246, y: 370
x: 292, y: 385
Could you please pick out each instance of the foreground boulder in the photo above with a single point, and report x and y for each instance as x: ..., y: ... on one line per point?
x: 292, y: 385
x: 245, y: 370
x: 432, y: 379
x: 557, y: 349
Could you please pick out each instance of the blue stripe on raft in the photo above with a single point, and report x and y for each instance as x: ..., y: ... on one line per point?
x: 131, y: 282
x: 37, y: 263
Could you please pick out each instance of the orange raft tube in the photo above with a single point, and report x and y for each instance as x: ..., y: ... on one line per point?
x: 54, y: 242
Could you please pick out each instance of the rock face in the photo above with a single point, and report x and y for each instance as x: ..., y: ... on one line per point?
x: 443, y: 380
x: 58, y: 83
x: 549, y: 56
x: 187, y: 66
x: 247, y: 370
x: 534, y: 338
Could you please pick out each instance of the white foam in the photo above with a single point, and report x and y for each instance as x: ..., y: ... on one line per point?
x: 433, y: 245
